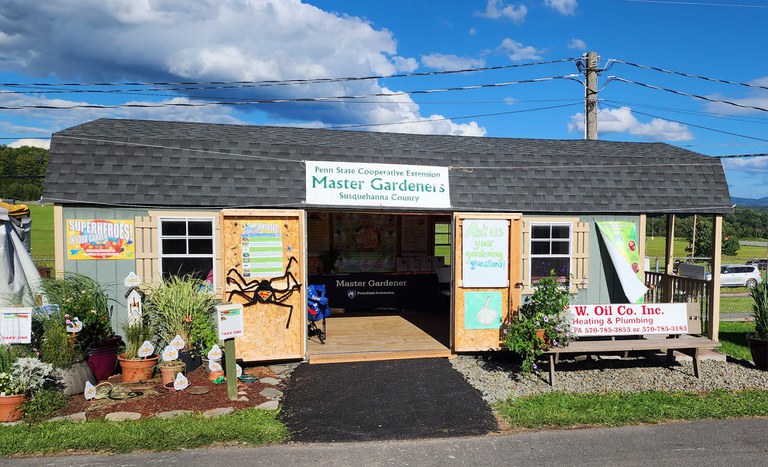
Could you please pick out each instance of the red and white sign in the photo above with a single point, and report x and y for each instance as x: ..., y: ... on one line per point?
x: 230, y: 319
x: 628, y: 319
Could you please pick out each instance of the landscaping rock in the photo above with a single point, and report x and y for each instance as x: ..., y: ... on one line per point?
x: 173, y: 413
x: 271, y: 393
x: 122, y: 416
x: 269, y: 405
x: 75, y: 418
x: 270, y: 381
x: 75, y: 377
x: 218, y: 412
x: 243, y: 399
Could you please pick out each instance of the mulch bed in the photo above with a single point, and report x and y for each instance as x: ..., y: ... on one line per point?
x: 154, y: 398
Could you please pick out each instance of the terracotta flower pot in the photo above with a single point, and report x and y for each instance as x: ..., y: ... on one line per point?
x: 135, y: 371
x: 11, y: 408
x: 168, y: 372
x: 214, y: 375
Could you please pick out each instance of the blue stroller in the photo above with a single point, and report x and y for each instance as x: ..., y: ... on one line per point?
x: 317, y: 310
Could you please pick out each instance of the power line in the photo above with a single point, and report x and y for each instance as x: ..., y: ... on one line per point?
x: 687, y: 75
x: 293, y: 81
x: 676, y: 2
x: 739, y: 156
x: 756, y: 120
x: 693, y: 125
x: 287, y: 100
x: 687, y: 94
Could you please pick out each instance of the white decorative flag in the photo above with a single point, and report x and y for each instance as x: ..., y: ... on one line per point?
x: 146, y: 349
x: 170, y: 353
x: 214, y: 353
x: 214, y: 366
x: 90, y: 391
x: 75, y: 325
x: 178, y: 342
x: 181, y: 382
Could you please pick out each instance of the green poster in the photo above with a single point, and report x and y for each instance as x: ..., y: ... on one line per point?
x: 482, y: 310
x: 621, y: 242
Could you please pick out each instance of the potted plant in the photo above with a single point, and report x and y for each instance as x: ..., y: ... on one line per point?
x: 178, y: 306
x: 27, y: 375
x: 138, y: 361
x: 541, y: 322
x: 758, y: 340
x: 170, y: 365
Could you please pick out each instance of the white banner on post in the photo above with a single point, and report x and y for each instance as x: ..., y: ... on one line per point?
x: 16, y: 325
x: 628, y: 319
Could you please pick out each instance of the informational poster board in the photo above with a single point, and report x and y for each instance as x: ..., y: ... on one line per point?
x: 262, y: 249
x: 620, y: 239
x: 100, y: 239
x: 414, y: 236
x: 485, y: 253
x: 628, y: 319
x: 16, y: 325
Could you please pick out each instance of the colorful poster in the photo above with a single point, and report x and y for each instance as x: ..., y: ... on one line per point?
x: 482, y: 310
x: 620, y: 240
x: 16, y: 325
x: 628, y: 319
x: 365, y: 242
x: 262, y: 249
x: 485, y: 253
x: 100, y: 239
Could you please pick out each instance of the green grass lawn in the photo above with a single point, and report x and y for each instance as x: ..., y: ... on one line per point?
x: 43, y: 244
x: 733, y: 339
x: 655, y: 247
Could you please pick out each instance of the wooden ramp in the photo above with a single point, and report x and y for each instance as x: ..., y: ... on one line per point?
x: 382, y: 337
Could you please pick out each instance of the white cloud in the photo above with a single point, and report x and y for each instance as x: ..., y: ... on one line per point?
x: 35, y: 143
x: 472, y: 31
x: 577, y: 44
x: 753, y: 98
x: 622, y: 121
x: 564, y: 7
x: 747, y: 164
x: 227, y: 40
x: 496, y: 9
x: 450, y: 62
x: 518, y: 52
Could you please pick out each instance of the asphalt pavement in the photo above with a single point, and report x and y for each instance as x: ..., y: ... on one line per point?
x: 396, y: 399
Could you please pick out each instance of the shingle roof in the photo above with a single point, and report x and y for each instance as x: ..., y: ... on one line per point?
x: 153, y: 163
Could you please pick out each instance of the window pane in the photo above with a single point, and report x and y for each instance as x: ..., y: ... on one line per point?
x: 443, y: 228
x: 561, y: 231
x: 540, y: 248
x: 560, y: 248
x: 200, y: 246
x: 540, y: 267
x: 174, y: 246
x: 200, y: 228
x: 540, y: 231
x: 442, y: 239
x: 198, y: 267
x: 174, y: 228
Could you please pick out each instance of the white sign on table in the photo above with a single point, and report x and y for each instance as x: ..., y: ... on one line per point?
x: 230, y: 319
x: 628, y: 319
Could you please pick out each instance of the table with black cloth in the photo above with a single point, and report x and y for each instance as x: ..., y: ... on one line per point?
x: 370, y: 290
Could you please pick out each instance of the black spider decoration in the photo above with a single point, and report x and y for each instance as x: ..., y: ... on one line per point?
x: 263, y: 291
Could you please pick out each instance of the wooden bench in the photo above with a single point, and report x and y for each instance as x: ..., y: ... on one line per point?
x: 689, y: 344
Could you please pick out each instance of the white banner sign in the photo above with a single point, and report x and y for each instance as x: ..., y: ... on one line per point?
x: 359, y: 184
x: 16, y: 325
x: 628, y: 319
x: 485, y: 253
x: 230, y: 319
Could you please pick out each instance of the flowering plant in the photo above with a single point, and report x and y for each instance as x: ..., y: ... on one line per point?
x: 541, y: 322
x: 8, y: 385
x: 27, y: 376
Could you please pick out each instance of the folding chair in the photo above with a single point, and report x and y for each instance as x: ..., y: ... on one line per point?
x: 317, y: 310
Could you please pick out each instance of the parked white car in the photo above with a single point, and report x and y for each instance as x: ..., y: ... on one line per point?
x: 739, y: 275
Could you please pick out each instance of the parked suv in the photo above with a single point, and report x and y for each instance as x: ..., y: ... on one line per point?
x: 760, y: 263
x: 739, y: 275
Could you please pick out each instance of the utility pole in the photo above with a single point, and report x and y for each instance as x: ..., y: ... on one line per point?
x: 590, y: 104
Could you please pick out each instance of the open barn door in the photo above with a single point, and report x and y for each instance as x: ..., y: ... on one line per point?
x: 264, y: 269
x: 487, y: 278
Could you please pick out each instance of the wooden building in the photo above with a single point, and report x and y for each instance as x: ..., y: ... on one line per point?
x: 379, y: 218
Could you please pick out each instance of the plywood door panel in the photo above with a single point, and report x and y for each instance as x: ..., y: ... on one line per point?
x: 468, y: 340
x: 269, y: 333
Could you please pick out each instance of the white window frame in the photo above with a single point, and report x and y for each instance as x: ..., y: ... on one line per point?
x: 187, y: 219
x: 532, y: 256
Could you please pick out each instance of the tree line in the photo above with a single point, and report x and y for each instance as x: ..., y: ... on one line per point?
x: 21, y: 172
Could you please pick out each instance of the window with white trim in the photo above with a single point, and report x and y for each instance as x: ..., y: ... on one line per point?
x: 187, y: 247
x: 550, y: 249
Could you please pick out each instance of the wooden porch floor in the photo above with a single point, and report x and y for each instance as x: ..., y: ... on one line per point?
x: 358, y: 338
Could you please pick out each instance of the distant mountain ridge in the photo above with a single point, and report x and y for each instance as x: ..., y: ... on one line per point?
x: 750, y: 202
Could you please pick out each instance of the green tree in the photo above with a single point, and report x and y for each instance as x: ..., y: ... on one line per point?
x: 703, y: 244
x: 21, y: 172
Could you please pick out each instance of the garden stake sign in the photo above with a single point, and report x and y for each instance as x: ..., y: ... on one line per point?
x: 230, y: 319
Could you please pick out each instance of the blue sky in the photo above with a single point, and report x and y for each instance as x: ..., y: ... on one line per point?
x: 97, y: 41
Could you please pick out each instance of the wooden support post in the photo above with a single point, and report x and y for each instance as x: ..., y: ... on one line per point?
x: 714, y: 289
x: 230, y: 370
x: 669, y: 261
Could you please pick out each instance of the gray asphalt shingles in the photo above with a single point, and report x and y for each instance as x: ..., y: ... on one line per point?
x: 177, y: 164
